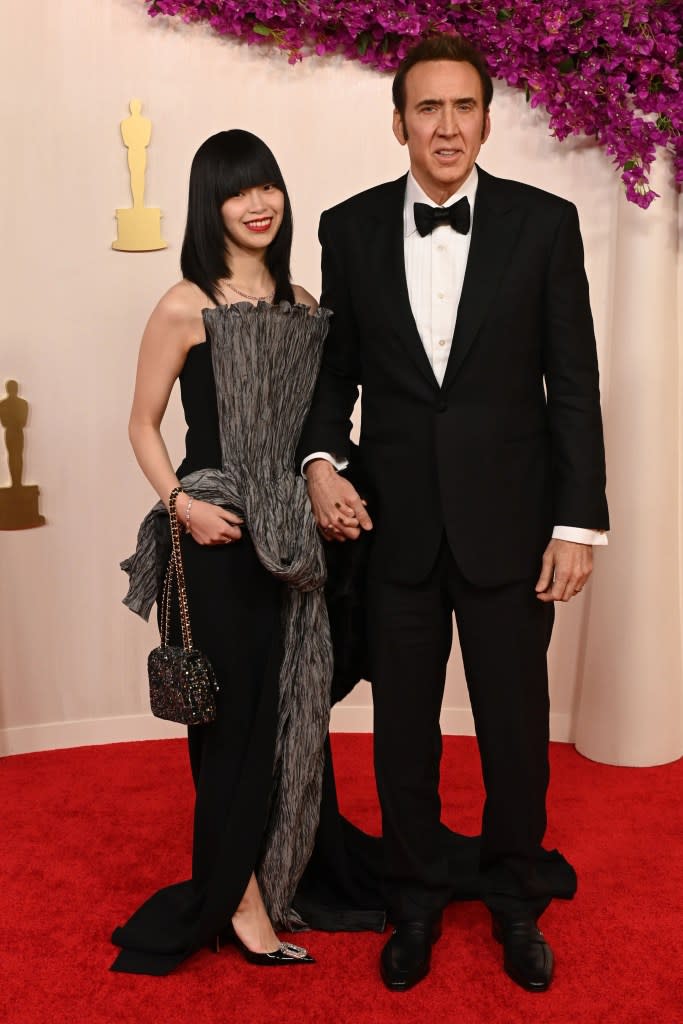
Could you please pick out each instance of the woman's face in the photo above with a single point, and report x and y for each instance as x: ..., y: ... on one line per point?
x: 252, y: 218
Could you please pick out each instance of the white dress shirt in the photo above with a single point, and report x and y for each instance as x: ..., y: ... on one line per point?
x: 435, y: 270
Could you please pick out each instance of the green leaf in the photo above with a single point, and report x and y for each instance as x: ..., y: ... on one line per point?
x: 626, y: 20
x: 664, y: 123
x: 629, y: 165
x: 262, y: 30
x: 566, y: 65
x: 363, y: 42
x: 504, y: 14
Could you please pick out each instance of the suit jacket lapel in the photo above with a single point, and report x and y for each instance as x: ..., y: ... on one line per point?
x: 391, y: 276
x: 495, y: 229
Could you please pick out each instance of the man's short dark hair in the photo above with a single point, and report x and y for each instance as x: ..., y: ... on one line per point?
x: 441, y: 47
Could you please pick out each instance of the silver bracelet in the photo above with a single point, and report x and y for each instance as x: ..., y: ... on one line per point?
x: 187, y: 514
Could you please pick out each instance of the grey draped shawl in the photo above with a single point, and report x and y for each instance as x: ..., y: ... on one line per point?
x: 265, y: 362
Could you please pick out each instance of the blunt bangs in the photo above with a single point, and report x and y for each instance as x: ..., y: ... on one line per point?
x: 236, y: 160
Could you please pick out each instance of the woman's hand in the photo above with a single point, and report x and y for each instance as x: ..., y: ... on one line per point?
x: 209, y: 524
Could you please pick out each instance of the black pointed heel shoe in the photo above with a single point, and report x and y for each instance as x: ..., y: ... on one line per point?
x: 285, y: 955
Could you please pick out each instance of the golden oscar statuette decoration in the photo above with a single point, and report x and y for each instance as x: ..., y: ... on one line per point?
x: 18, y: 502
x: 139, y: 228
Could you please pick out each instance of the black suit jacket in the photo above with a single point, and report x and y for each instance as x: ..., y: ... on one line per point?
x: 511, y: 443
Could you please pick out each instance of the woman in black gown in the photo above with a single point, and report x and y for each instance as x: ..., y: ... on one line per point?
x: 245, y: 345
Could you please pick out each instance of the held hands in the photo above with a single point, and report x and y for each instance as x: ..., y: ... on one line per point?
x: 337, y: 507
x: 565, y: 569
x: 209, y: 524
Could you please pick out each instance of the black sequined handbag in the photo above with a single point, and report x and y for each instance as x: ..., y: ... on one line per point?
x: 182, y: 684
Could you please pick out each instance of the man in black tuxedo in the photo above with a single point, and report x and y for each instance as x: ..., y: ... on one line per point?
x: 461, y: 306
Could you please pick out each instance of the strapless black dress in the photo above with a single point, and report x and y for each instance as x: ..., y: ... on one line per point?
x: 231, y: 758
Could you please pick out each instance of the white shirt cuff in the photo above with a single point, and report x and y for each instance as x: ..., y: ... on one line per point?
x: 338, y: 464
x: 577, y: 535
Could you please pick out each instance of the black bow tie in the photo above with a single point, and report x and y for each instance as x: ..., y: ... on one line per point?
x: 429, y: 217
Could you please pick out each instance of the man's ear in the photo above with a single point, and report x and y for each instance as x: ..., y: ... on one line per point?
x: 486, y: 127
x: 399, y: 128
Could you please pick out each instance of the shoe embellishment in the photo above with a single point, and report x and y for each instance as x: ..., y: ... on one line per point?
x: 288, y: 949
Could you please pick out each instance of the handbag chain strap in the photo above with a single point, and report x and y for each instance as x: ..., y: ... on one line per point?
x: 175, y: 572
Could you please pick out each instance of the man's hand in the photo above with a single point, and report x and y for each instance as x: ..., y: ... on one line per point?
x: 337, y: 507
x: 566, y: 567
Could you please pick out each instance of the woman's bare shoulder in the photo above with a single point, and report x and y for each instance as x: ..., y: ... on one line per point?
x: 304, y: 297
x: 177, y: 317
x: 183, y: 301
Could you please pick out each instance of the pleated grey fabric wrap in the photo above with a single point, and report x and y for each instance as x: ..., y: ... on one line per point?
x: 265, y: 362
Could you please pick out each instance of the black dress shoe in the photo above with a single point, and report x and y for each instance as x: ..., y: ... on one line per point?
x: 527, y: 957
x: 407, y: 955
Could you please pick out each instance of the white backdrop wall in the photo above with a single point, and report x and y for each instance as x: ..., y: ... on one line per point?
x: 72, y: 658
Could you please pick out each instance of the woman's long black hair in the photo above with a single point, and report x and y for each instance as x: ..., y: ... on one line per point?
x: 224, y: 165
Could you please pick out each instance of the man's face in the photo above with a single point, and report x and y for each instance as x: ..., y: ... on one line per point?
x: 444, y: 125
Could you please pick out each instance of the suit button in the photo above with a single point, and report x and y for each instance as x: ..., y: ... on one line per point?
x: 442, y: 407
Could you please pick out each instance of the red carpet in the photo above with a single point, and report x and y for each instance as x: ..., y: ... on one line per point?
x: 88, y: 833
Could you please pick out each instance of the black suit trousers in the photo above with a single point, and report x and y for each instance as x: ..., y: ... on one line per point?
x: 504, y: 633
